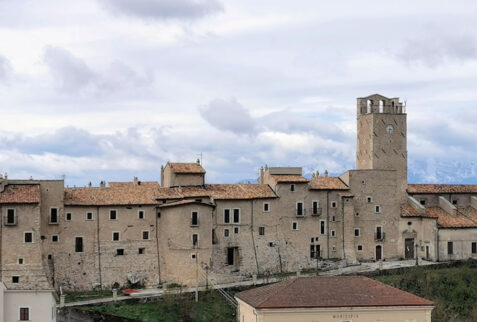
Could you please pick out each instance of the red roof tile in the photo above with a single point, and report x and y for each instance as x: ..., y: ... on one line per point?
x: 441, y: 188
x: 289, y: 179
x: 327, y: 183
x: 333, y: 291
x: 230, y: 191
x: 24, y: 193
x: 189, y: 168
x: 465, y: 217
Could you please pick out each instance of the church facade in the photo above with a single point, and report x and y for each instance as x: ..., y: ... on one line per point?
x: 183, y: 229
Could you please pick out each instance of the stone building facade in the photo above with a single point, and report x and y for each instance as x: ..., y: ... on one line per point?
x: 183, y: 229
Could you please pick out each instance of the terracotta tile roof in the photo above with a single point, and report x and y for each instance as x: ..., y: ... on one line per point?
x: 22, y: 193
x: 333, y: 291
x: 465, y: 217
x: 184, y: 202
x: 129, y: 184
x: 190, y: 168
x: 118, y: 195
x: 327, y: 183
x: 441, y: 188
x: 289, y: 179
x: 230, y: 191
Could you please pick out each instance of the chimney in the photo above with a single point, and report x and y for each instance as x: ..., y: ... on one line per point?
x: 136, y: 180
x: 198, y: 161
x: 317, y: 173
x: 89, y: 185
x: 102, y: 184
x: 326, y: 173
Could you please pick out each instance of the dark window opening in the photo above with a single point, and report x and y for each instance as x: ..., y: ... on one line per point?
x: 119, y: 252
x: 236, y: 230
x: 360, y: 247
x: 423, y: 202
x: 226, y: 216
x: 54, y: 215
x: 10, y: 216
x: 141, y: 251
x: 195, y: 218
x: 232, y: 256
x: 295, y: 226
x: 292, y: 187
x: 113, y: 215
x: 474, y: 248
x: 54, y: 238
x: 24, y: 314
x: 145, y: 235
x: 450, y: 248
x: 356, y: 232
x: 299, y: 209
x: 141, y: 214
x: 454, y: 201
x: 28, y: 237
x: 195, y: 239
x: 89, y: 216
x: 20, y: 261
x: 315, y: 207
x: 115, y: 236
x: 261, y: 231
x: 266, y: 207
x: 226, y: 233
x: 236, y: 216
x: 79, y: 244
x: 15, y: 279
x: 68, y: 216
x: 333, y: 204
x: 214, y: 237
x: 322, y: 227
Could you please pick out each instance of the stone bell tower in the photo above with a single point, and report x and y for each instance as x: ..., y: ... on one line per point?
x: 382, y: 136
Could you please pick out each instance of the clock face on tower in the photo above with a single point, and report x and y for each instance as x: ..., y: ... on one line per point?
x: 389, y: 129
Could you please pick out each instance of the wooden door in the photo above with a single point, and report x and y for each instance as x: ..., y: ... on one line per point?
x: 409, y: 248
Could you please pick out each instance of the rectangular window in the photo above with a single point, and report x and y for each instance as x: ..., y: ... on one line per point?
x: 261, y: 231
x: 193, y: 256
x: 68, y: 216
x: 20, y: 261
x: 423, y: 202
x: 141, y: 251
x: 369, y: 199
x: 333, y: 218
x: 333, y: 233
x: 377, y: 209
x: 294, y: 225
x: 226, y: 216
x: 299, y: 209
x: 333, y: 204
x: 79, y: 244
x: 292, y: 187
x: 119, y: 252
x: 140, y: 214
x: 360, y: 247
x: 24, y: 314
x: 236, y: 230
x: 54, y: 238
x: 312, y: 251
x: 236, y: 216
x: 195, y: 240
x: 356, y: 232
x: 194, y: 218
x: 315, y: 206
x: 89, y: 216
x: 474, y: 248
x: 53, y: 215
x: 450, y: 248
x: 115, y: 235
x: 145, y: 235
x: 322, y: 227
x: 266, y: 207
x: 10, y: 216
x: 16, y: 279
x: 454, y: 202
x: 28, y: 237
x: 113, y: 215
x: 226, y: 233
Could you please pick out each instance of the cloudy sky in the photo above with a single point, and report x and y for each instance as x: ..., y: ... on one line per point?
x: 111, y: 89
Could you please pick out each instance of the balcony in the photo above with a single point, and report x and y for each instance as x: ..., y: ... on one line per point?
x: 315, y: 211
x: 379, y: 236
x: 10, y: 221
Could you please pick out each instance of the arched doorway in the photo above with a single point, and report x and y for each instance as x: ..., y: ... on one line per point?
x: 379, y: 252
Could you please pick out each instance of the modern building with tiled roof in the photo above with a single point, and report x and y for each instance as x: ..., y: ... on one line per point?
x: 162, y: 231
x: 341, y: 298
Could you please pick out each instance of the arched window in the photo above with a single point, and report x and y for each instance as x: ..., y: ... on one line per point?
x: 381, y: 106
x: 368, y: 106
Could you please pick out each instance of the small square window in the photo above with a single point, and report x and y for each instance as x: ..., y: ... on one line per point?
x: 119, y: 252
x: 28, y: 238
x: 113, y: 215
x: 369, y: 199
x: 333, y: 204
x: 454, y: 201
x: 292, y: 187
x: 141, y: 251
x: 140, y: 214
x: 192, y: 256
x: 115, y: 236
x: 68, y: 216
x: 236, y: 230
x: 423, y: 202
x: 145, y: 235
x: 266, y: 207
x: 89, y: 216
x: 360, y: 247
x: 20, y: 261
x: 294, y: 225
x: 54, y: 238
x: 356, y: 232
x: 226, y: 233
x: 261, y: 231
x: 50, y: 256
x: 15, y: 279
